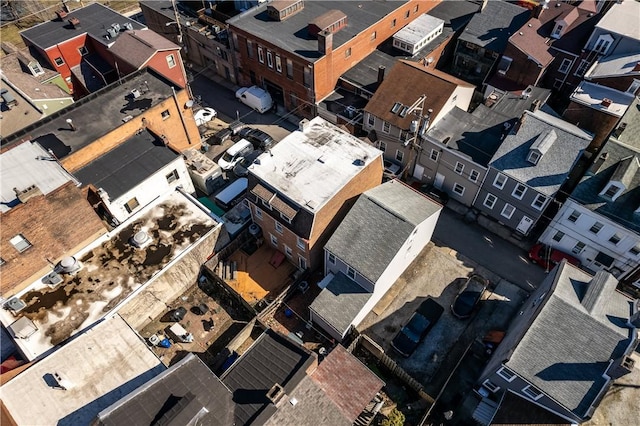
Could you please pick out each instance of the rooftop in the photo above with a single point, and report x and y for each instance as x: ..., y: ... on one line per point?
x: 291, y: 34
x: 113, y: 270
x: 88, y: 114
x: 340, y: 301
x: 554, y: 165
x: 124, y: 167
x: 622, y: 19
x: 186, y: 391
x: 19, y: 114
x: 15, y: 69
x: 137, y: 47
x: 94, y: 21
x: 415, y: 31
x: 564, y: 363
x: 615, y: 66
x: 594, y: 95
x: 309, y: 167
x: 492, y: 27
x: 377, y: 226
x: 631, y: 119
x: 95, y: 370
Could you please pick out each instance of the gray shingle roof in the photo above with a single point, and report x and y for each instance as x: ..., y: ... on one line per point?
x: 377, y: 226
x: 492, y: 27
x: 631, y: 120
x: 614, y: 66
x: 567, y: 348
x: 553, y: 167
x: 621, y: 210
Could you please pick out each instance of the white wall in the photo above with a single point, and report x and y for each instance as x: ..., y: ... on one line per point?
x: 461, y: 97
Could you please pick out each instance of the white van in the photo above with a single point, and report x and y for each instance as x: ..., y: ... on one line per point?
x: 228, y: 196
x: 256, y: 98
x: 235, y: 154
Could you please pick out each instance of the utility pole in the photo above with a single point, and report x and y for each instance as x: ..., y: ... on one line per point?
x: 418, y: 128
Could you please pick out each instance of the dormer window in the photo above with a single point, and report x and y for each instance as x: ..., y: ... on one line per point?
x: 557, y: 30
x: 35, y: 68
x: 611, y: 191
x: 533, y: 157
x: 541, y: 146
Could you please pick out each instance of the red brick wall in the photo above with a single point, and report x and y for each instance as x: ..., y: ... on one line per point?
x: 523, y: 70
x: 68, y: 51
x: 159, y: 63
x: 596, y: 122
x: 621, y: 83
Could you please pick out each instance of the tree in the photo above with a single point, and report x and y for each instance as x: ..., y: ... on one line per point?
x: 395, y: 418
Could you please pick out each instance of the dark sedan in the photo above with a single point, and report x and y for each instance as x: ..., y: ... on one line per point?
x: 469, y: 296
x: 423, y: 320
x: 257, y: 137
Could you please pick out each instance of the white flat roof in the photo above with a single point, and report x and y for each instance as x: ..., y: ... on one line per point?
x: 97, y: 368
x: 591, y: 95
x: 417, y: 30
x: 623, y: 19
x: 309, y: 167
x: 28, y: 164
x: 113, y: 272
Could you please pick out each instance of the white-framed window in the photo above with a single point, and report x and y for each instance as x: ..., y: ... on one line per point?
x: 374, y: 35
x: 171, y: 61
x: 258, y: 213
x: 499, y: 181
x: 371, y: 119
x: 507, y: 211
x: 635, y: 250
x: 35, y: 68
x: 582, y: 68
x: 577, y: 249
x: 435, y: 154
x: 59, y: 61
x: 557, y: 31
x: 285, y: 218
x: 558, y: 236
x: 459, y: 168
x: 260, y: 54
x: 519, y: 191
x: 266, y: 204
x: 351, y: 273
x: 573, y: 217
x: 533, y: 157
x: 332, y: 258
x: 596, y: 227
x: 633, y: 88
x: 506, y: 374
x: 269, y: 59
x: 83, y: 50
x: 300, y: 243
x: 611, y: 191
x: 278, y: 64
x: 386, y: 127
x: 131, y: 205
x: 20, y: 243
x: 603, y: 43
x: 347, y: 53
x: 393, y: 23
x: 565, y: 66
x: 274, y: 240
x: 458, y: 189
x: 288, y: 251
x: 250, y: 49
x: 539, y: 201
x: 504, y: 65
x: 532, y: 392
x: 490, y: 201
x: 615, y: 239
x: 382, y: 146
x: 492, y: 387
x: 279, y: 228
x: 474, y: 175
x: 173, y: 176
x: 399, y: 155
x: 165, y: 114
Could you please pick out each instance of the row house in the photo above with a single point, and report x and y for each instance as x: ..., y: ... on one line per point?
x: 298, y: 50
x: 410, y: 100
x: 303, y: 187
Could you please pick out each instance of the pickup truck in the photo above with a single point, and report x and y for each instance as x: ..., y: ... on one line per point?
x: 419, y: 325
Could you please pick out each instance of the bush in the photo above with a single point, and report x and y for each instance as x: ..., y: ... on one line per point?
x: 395, y: 418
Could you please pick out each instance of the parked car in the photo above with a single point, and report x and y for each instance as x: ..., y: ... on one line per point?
x: 219, y: 137
x: 548, y: 257
x: 257, y: 137
x: 469, y: 296
x: 435, y: 193
x: 235, y: 154
x: 419, y: 325
x: 256, y: 98
x: 391, y: 169
x: 204, y: 115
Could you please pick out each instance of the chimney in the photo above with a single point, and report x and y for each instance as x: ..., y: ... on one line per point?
x: 325, y: 42
x: 618, y: 131
x: 61, y: 14
x: 606, y: 102
x: 303, y: 125
x: 28, y: 193
x: 598, y: 163
x: 636, y: 67
x: 74, y: 22
x: 381, y: 69
x: 535, y: 105
x: 276, y: 394
x: 70, y: 123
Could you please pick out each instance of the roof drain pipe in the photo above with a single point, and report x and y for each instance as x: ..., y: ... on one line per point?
x: 184, y: 126
x: 199, y: 204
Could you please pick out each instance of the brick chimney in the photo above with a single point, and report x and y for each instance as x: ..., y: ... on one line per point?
x: 28, y: 193
x: 325, y: 42
x: 61, y: 14
x: 74, y: 22
x: 381, y: 70
x: 606, y: 102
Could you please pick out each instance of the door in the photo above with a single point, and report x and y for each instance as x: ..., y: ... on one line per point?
x: 524, y: 225
x: 439, y: 180
x: 418, y: 171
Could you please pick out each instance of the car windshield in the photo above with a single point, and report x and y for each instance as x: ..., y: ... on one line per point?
x: 227, y: 157
x: 467, y: 299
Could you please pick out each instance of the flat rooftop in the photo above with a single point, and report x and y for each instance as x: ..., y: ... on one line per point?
x: 112, y: 271
x: 622, y: 18
x: 309, y: 167
x: 592, y: 95
x: 97, y: 368
x: 97, y: 114
x: 415, y: 31
x: 17, y: 116
x: 94, y: 21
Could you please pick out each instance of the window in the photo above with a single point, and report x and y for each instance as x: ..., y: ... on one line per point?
x: 611, y: 191
x: 434, y: 155
x: 274, y: 240
x: 474, y: 175
x: 83, y: 50
x: 261, y: 55
x: 506, y: 374
x: 266, y: 204
x: 290, y: 69
x: 574, y: 216
x: 382, y: 146
x: 59, y: 62
x: 577, y: 249
x: 302, y: 262
x: 519, y: 191
x: 507, y: 211
x: 250, y: 49
x: 459, y: 167
x: 559, y: 235
x: 278, y: 64
x: 20, y: 243
x: 615, y: 239
x: 234, y: 38
x: 386, y: 127
x: 258, y: 213
x: 285, y: 218
x: 131, y: 205
x: 582, y: 68
x: 558, y: 83
x: 399, y: 155
x: 490, y: 201
x: 565, y: 66
x: 493, y: 388
x: 538, y: 203
x: 288, y: 251
x: 371, y: 120
x: 634, y: 87
x: 347, y: 52
x: 458, y: 189
x: 269, y: 59
x: 2, y: 262
x: 332, y: 258
x: 171, y: 61
x: 596, y: 227
x: 173, y: 176
x: 165, y: 114
x: 351, y: 273
x: 557, y: 31
x: 36, y: 69
x: 279, y: 228
x: 504, y: 65
x: 499, y: 181
x: 306, y: 77
x: 532, y: 392
x: 533, y: 157
x: 635, y: 250
x: 393, y: 23
x: 603, y: 43
x: 300, y: 243
x: 406, y: 14
x: 374, y: 35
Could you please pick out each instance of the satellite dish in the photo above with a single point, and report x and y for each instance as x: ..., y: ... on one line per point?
x: 189, y: 103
